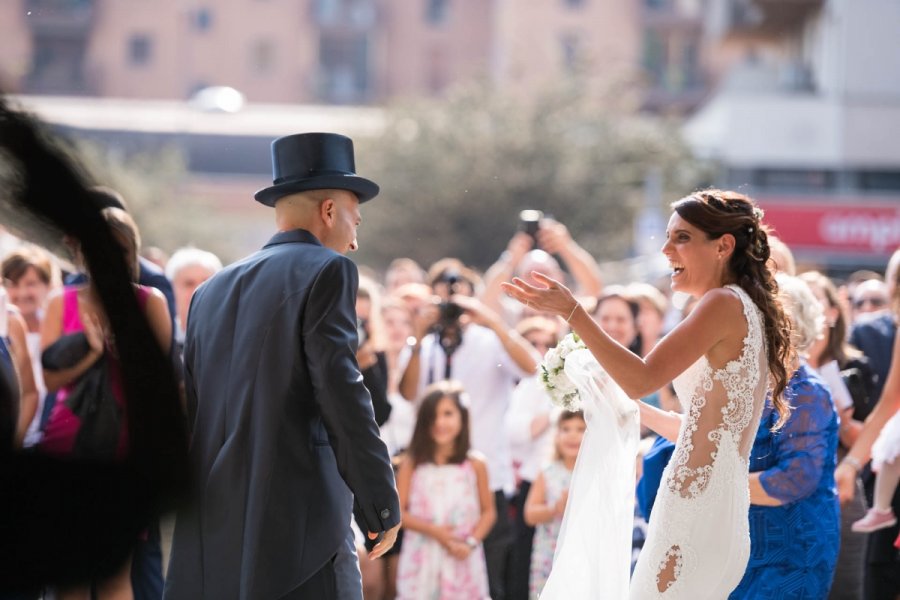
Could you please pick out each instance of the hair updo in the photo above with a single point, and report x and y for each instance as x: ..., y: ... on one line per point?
x: 718, y: 213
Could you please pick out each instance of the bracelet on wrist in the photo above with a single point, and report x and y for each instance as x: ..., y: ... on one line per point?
x: 857, y: 466
x: 574, y: 308
x: 413, y: 342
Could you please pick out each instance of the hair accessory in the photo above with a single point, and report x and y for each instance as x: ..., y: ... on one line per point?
x: 758, y: 213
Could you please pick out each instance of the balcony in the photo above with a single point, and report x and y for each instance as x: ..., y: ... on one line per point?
x: 60, y: 18
x: 671, y: 15
x: 785, y: 15
x: 58, y: 67
x: 778, y: 126
x: 758, y: 17
x: 345, y: 15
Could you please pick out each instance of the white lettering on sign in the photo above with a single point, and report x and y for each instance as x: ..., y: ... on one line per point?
x: 878, y: 232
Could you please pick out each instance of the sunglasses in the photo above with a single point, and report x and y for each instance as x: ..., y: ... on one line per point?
x: 874, y: 302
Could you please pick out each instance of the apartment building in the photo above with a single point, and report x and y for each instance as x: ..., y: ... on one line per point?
x: 806, y: 116
x: 345, y: 51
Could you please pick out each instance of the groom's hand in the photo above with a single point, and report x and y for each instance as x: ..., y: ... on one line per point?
x: 387, y: 541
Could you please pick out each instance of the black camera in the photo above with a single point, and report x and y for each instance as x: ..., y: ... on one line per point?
x: 530, y: 223
x: 448, y: 326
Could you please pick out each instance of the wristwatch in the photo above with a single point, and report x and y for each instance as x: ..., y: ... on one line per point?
x: 471, y: 542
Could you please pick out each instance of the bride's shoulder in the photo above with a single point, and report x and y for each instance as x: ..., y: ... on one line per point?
x: 720, y: 305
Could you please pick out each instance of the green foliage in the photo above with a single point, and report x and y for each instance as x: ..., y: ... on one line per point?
x: 152, y: 183
x: 455, y: 173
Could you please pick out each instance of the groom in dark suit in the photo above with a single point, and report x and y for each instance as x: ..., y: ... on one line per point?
x: 284, y: 436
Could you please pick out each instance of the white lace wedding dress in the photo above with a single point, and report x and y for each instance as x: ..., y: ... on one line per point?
x: 698, y: 541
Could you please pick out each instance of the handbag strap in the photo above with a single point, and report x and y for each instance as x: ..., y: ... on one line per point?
x: 70, y: 318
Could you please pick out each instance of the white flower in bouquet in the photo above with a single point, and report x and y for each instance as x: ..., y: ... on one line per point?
x: 562, y: 391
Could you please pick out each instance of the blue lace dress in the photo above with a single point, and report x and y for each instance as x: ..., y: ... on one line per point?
x: 794, y: 547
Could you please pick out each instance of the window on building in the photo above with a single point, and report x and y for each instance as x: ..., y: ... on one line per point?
x: 140, y: 49
x: 57, y: 66
x: 262, y: 57
x: 327, y: 11
x: 569, y: 46
x: 691, y: 64
x: 201, y: 19
x: 655, y: 57
x: 879, y: 180
x: 799, y: 179
x: 436, y: 11
x: 436, y: 71
x: 344, y: 69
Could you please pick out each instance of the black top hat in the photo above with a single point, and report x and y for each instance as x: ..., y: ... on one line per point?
x: 314, y: 161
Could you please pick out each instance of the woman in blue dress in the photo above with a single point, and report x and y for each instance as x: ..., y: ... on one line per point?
x: 794, y: 512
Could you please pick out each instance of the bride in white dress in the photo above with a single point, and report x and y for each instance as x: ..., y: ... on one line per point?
x: 723, y: 358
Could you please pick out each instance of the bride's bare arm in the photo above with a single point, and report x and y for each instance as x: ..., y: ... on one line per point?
x: 711, y: 328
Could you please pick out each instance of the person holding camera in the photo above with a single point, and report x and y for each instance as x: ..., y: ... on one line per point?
x: 458, y: 337
x: 370, y: 353
x: 540, y: 244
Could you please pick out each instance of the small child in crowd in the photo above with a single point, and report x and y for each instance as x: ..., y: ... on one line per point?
x: 447, y: 505
x: 547, y: 498
x: 886, y: 463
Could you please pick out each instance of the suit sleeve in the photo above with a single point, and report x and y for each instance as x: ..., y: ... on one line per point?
x: 330, y: 342
x: 375, y: 380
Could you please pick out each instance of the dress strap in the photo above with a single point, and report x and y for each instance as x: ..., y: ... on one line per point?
x: 751, y: 311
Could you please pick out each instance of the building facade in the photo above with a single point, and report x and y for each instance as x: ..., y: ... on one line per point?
x: 345, y: 51
x: 806, y: 117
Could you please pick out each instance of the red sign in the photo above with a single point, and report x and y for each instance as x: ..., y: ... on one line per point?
x: 858, y: 227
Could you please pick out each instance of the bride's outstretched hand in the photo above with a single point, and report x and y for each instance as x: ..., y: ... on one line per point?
x: 549, y: 296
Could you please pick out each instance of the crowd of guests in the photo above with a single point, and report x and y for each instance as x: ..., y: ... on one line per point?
x: 58, y: 343
x: 482, y: 457
x: 803, y: 541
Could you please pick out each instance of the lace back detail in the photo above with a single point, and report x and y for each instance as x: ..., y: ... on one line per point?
x: 735, y: 389
x: 669, y: 569
x: 700, y: 515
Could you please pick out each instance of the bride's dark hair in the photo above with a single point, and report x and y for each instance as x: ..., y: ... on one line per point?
x: 718, y: 212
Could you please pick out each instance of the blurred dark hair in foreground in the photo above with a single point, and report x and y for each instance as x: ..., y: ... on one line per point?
x: 72, y: 521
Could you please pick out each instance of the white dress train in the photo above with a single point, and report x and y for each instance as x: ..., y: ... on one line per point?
x: 698, y: 539
x: 593, y: 552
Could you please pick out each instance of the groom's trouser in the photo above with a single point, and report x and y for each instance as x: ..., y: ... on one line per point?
x: 339, y: 579
x: 496, y: 548
x: 346, y: 570
x: 321, y: 586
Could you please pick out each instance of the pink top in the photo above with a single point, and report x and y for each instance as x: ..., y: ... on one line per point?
x: 63, y: 425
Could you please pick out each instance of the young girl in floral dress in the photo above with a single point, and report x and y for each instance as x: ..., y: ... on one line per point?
x: 447, y: 505
x: 547, y: 498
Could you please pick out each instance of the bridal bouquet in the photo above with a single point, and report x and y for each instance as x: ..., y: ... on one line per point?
x: 562, y: 391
